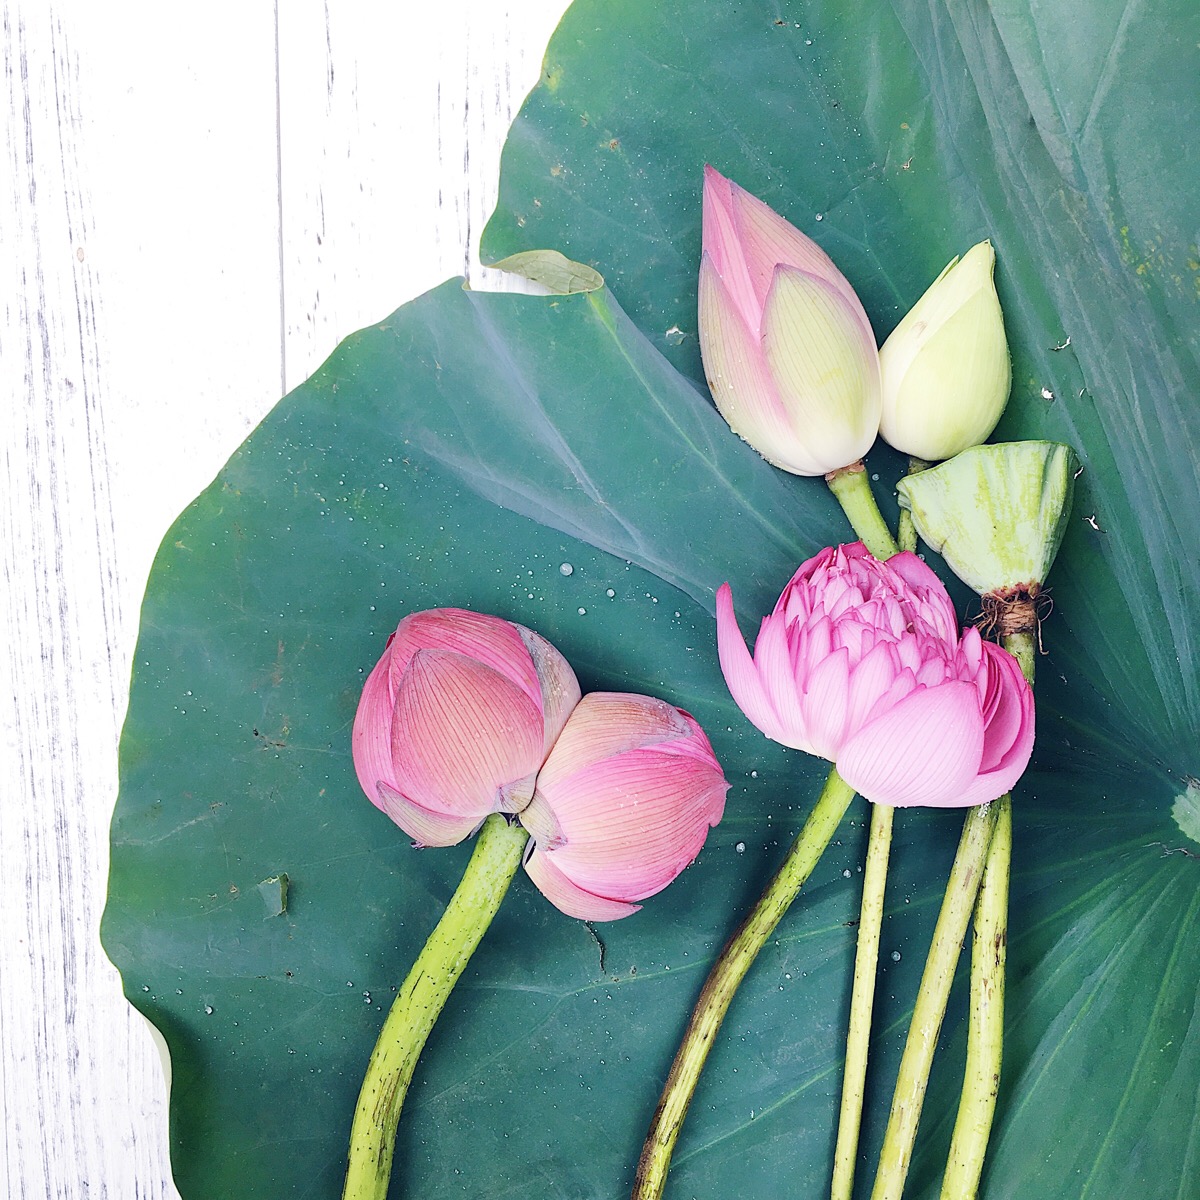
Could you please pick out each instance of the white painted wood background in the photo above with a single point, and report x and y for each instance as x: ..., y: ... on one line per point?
x: 201, y: 201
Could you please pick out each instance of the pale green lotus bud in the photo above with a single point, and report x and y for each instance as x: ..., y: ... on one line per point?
x: 997, y: 513
x: 945, y: 367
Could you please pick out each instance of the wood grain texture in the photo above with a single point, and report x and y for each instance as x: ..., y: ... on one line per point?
x: 195, y: 211
x: 384, y: 197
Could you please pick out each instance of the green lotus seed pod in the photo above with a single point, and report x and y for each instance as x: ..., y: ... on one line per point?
x: 996, y: 513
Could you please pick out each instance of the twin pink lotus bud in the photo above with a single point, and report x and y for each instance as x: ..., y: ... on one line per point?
x: 862, y: 663
x: 791, y: 358
x: 467, y: 715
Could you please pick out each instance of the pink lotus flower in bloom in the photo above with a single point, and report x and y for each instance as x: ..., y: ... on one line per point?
x: 623, y: 804
x: 861, y: 663
x: 788, y: 350
x: 455, y: 720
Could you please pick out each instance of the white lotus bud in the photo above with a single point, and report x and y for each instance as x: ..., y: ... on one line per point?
x: 945, y: 368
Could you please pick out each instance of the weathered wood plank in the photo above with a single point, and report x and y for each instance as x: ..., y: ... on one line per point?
x: 392, y: 119
x: 194, y: 212
x: 110, y: 299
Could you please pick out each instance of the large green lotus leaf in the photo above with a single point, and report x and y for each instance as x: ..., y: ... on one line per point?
x: 897, y: 135
x: 355, y: 502
x: 468, y: 447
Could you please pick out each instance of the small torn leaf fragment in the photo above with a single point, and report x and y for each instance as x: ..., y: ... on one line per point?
x: 274, y: 892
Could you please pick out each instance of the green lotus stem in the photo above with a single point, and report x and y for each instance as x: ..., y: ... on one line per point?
x: 727, y: 973
x: 862, y: 1001
x: 985, y: 1031
x: 866, y: 956
x: 906, y: 533
x: 853, y: 491
x: 1023, y: 647
x: 932, y: 996
x: 424, y: 993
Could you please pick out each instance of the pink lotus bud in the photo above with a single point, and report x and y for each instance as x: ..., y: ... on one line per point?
x: 861, y: 663
x: 788, y: 350
x: 455, y: 720
x: 623, y: 804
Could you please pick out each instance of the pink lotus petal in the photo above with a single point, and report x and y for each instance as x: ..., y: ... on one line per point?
x: 426, y: 828
x: 856, y: 639
x: 908, y: 650
x: 1009, y: 734
x: 741, y: 386
x: 558, y: 686
x: 904, y: 684
x: 917, y: 573
x: 569, y: 897
x: 608, y: 723
x: 873, y: 677
x: 989, y: 679
x: 991, y: 784
x: 741, y: 676
x: 722, y: 247
x: 970, y: 650
x: 795, y: 606
x: 461, y: 732
x: 1009, y: 731
x: 925, y: 750
x: 815, y: 648
x: 826, y: 696
x: 933, y: 671
x: 514, y: 796
x: 766, y: 240
x: 811, y: 568
x: 631, y: 823
x: 775, y: 667
x: 489, y: 640
x: 983, y: 789
x: 845, y: 596
x: 937, y: 607
x: 371, y: 741
x: 539, y: 819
